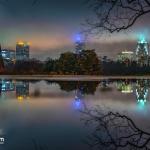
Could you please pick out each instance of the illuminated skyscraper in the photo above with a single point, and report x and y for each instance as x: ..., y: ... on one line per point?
x: 22, y: 51
x: 8, y: 54
x: 125, y: 56
x: 142, y: 52
x: 79, y: 44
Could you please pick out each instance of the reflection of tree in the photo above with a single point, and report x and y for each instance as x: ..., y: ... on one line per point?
x: 38, y: 146
x: 113, y: 131
x: 104, y: 86
x: 86, y: 87
x: 67, y: 86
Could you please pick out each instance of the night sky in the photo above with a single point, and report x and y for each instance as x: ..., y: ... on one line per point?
x: 51, y: 27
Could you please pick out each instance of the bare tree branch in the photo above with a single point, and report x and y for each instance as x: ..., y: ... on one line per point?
x: 115, y: 15
x: 114, y: 131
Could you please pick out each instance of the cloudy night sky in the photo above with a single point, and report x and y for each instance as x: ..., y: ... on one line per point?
x: 51, y: 26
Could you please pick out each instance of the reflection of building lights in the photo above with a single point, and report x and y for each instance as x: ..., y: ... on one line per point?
x: 142, y: 92
x: 125, y: 87
x: 7, y: 85
x: 77, y: 103
x: 20, y: 98
x: 127, y: 91
x: 28, y: 97
x: 78, y: 100
x: 22, y: 90
x: 127, y: 52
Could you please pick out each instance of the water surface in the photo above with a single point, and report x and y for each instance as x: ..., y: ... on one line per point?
x: 46, y: 114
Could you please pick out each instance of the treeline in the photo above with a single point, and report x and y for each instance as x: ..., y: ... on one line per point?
x: 85, y: 63
x: 123, y: 68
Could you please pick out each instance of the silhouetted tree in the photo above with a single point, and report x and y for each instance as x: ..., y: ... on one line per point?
x: 67, y: 63
x: 89, y: 63
x: 115, y: 15
x: 113, y: 131
x: 84, y: 86
x: 31, y: 66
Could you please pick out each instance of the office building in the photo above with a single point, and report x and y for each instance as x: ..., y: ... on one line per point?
x: 125, y: 56
x: 142, y: 52
x: 8, y: 54
x: 79, y: 45
x: 22, y: 50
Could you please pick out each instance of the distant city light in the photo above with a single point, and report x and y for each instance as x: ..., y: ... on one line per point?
x: 77, y: 103
x: 127, y: 52
x: 142, y: 96
x: 127, y: 91
x: 125, y: 88
x: 142, y: 39
x: 22, y: 50
x: 78, y: 38
x: 20, y: 43
x: 20, y: 98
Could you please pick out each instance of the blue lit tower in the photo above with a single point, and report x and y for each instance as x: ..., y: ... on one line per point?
x: 142, y: 91
x: 79, y: 44
x: 142, y: 51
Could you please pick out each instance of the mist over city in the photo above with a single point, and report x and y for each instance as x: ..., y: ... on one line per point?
x: 74, y: 74
x: 51, y: 27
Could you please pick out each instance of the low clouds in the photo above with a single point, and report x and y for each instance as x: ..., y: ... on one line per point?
x: 51, y: 24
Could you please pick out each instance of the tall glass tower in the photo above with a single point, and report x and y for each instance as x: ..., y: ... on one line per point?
x: 22, y: 51
x: 79, y: 44
x: 142, y: 52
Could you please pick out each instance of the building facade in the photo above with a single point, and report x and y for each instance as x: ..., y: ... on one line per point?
x: 125, y: 56
x: 22, y: 50
x: 8, y: 54
x: 142, y: 52
x: 79, y: 45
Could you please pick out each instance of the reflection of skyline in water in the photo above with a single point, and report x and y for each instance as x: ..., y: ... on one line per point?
x: 21, y: 88
x: 7, y: 85
x: 78, y: 100
x: 125, y: 86
x: 51, y: 113
x: 142, y: 91
x: 139, y: 88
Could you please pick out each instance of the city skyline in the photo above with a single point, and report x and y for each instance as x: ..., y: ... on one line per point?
x: 51, y: 27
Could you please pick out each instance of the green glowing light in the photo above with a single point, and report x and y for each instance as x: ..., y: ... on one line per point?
x: 142, y: 39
